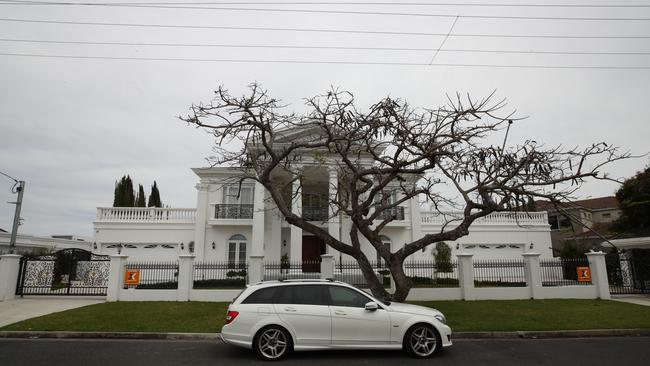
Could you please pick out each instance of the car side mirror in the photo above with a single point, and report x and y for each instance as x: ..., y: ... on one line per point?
x: 371, y: 306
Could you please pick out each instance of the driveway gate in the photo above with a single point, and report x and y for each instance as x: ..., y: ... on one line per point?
x: 68, y: 272
x: 628, y: 275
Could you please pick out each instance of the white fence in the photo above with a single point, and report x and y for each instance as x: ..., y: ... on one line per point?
x: 523, y: 279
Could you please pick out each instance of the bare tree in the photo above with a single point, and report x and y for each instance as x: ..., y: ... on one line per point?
x: 388, y: 155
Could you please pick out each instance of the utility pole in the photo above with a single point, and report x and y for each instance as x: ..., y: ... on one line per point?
x: 19, y: 202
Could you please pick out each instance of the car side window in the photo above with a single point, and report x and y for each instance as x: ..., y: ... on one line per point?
x: 341, y: 296
x: 261, y: 296
x: 302, y: 295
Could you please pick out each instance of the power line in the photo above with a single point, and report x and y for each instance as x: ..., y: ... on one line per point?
x: 350, y: 3
x: 356, y: 12
x: 352, y: 31
x: 284, y: 46
x: 327, y: 62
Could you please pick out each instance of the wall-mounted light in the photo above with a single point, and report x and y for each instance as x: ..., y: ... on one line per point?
x: 214, y: 246
x: 284, y: 243
x: 182, y: 246
x: 119, y: 248
x: 94, y: 245
x: 191, y: 246
x: 532, y: 245
x: 457, y: 246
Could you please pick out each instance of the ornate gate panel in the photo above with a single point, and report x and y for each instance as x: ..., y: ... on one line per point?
x: 628, y: 275
x: 68, y: 272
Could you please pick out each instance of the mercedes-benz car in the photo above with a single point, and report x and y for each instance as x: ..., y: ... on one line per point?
x: 277, y: 317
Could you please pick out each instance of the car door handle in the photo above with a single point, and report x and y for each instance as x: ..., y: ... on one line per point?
x: 290, y: 309
x: 339, y: 312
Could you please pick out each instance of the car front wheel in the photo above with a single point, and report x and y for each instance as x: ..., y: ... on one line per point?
x: 272, y: 343
x: 422, y: 341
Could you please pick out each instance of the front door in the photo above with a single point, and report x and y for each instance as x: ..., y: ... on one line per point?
x: 312, y: 248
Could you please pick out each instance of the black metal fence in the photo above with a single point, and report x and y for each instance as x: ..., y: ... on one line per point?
x: 429, y: 273
x: 348, y: 271
x: 215, y: 275
x: 499, y: 273
x: 155, y: 275
x: 286, y: 270
x: 563, y: 272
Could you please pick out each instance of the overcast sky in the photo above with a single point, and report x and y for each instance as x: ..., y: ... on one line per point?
x: 70, y: 127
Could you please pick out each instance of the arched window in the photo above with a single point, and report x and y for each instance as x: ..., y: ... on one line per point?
x: 236, y: 250
x: 386, y: 241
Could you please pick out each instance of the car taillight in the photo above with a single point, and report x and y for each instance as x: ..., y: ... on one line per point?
x: 231, y: 316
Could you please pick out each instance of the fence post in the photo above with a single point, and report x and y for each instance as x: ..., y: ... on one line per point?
x: 599, y: 274
x: 255, y: 269
x: 9, y: 267
x: 185, y: 277
x: 327, y: 266
x: 116, y: 277
x: 533, y: 274
x: 466, y: 276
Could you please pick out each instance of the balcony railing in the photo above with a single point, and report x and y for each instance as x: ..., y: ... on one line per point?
x: 146, y: 214
x: 315, y: 213
x: 396, y: 213
x: 496, y: 218
x: 233, y: 211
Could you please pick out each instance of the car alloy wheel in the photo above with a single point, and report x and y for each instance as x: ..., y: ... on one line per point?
x: 272, y: 343
x: 422, y: 341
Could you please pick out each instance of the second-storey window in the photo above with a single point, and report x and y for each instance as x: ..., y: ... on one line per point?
x: 236, y: 195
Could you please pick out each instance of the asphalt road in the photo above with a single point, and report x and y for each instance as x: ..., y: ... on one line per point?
x: 574, y: 352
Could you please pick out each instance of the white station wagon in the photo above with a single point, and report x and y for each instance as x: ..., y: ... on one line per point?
x: 277, y: 317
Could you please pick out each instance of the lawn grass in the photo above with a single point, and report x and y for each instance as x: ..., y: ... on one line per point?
x: 511, y: 315
x: 145, y: 316
x: 208, y: 317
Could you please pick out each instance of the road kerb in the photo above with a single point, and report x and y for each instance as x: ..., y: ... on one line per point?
x: 216, y: 337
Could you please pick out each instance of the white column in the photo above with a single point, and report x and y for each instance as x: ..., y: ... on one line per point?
x: 327, y: 267
x: 201, y: 219
x: 416, y: 221
x: 466, y: 276
x: 185, y: 277
x: 599, y: 274
x: 274, y: 247
x: 9, y: 267
x: 334, y: 223
x: 116, y: 277
x: 295, y: 251
x: 257, y: 242
x: 533, y: 274
x: 255, y: 269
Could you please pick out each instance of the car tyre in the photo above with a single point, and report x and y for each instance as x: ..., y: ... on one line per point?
x: 422, y: 341
x: 272, y: 343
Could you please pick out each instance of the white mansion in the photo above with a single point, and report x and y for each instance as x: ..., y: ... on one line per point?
x: 226, y: 226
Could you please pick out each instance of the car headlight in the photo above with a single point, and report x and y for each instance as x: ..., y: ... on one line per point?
x: 441, y: 318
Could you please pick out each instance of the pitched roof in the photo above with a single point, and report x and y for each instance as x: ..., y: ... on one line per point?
x: 598, y: 203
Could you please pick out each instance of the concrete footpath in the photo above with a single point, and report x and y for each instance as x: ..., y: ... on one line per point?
x: 12, y: 311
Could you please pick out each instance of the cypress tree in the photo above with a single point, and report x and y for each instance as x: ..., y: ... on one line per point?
x: 140, y: 198
x: 117, y: 194
x: 129, y: 194
x: 154, y: 197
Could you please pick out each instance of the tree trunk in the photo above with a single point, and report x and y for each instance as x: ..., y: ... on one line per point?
x: 402, y: 282
x: 376, y: 286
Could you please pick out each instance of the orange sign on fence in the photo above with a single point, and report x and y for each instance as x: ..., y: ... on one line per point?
x: 584, y: 274
x: 132, y: 277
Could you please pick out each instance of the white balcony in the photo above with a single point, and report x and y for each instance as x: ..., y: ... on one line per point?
x: 138, y: 215
x: 496, y: 218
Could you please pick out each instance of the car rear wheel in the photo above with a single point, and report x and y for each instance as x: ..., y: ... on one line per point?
x: 422, y: 341
x: 272, y: 343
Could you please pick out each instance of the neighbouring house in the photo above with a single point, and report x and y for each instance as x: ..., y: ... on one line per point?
x: 32, y: 244
x: 232, y: 222
x: 584, y: 221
